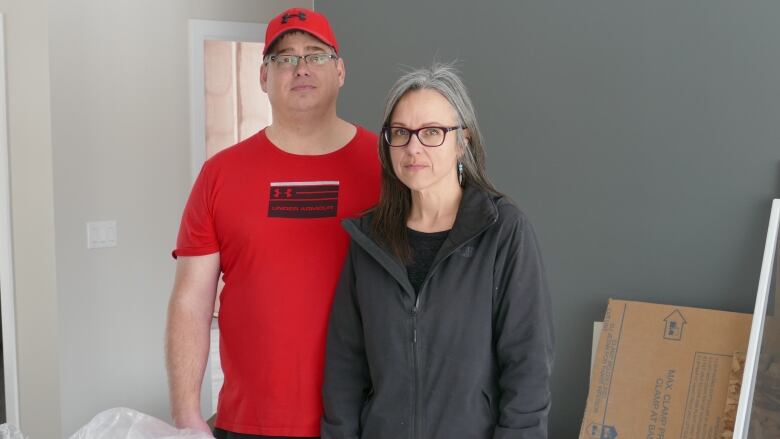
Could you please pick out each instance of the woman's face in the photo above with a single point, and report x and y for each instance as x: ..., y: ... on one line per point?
x: 422, y: 168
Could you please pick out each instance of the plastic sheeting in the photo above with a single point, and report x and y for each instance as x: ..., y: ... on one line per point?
x: 124, y: 423
x: 8, y: 431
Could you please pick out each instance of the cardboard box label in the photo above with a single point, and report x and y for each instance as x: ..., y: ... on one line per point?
x: 709, y: 370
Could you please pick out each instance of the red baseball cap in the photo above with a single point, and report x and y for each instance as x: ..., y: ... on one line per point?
x: 300, y: 19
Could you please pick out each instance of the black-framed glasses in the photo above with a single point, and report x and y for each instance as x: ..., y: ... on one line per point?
x: 431, y: 136
x: 312, y: 59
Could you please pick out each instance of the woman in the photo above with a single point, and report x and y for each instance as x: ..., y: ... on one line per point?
x: 441, y: 324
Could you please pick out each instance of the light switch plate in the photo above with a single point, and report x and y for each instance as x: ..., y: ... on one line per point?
x: 101, y: 234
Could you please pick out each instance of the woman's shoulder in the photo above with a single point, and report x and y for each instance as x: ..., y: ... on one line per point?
x: 508, y: 211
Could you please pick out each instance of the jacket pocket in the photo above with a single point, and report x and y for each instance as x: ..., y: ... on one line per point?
x: 490, y: 405
x: 364, y: 412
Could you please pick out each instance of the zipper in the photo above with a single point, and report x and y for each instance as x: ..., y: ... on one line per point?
x: 416, y: 418
x: 415, y: 367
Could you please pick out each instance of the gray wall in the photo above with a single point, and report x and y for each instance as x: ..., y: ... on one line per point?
x: 642, y: 138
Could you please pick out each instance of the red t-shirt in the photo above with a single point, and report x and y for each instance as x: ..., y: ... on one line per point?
x: 274, y: 217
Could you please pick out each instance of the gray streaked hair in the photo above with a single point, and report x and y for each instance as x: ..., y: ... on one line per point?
x: 392, y: 211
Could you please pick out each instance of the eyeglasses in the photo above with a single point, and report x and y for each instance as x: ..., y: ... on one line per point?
x: 428, y: 136
x: 312, y: 59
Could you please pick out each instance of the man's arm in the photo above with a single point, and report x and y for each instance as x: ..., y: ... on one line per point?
x: 187, y: 336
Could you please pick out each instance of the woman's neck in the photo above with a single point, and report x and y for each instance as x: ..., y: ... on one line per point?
x: 434, y: 211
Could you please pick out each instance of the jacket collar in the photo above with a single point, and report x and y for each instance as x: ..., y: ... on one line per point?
x: 476, y: 213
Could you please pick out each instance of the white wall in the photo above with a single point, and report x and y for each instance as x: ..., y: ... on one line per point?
x: 119, y: 103
x: 27, y: 64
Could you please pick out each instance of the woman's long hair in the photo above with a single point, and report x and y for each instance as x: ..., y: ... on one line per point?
x: 391, y: 213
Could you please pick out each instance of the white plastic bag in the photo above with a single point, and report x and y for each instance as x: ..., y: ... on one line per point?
x: 124, y: 423
x: 8, y: 431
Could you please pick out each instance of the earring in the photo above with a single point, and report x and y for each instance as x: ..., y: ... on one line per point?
x: 460, y: 173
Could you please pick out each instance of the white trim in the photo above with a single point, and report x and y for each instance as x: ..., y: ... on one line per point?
x: 757, y: 328
x: 6, y: 255
x: 200, y: 31
x: 234, y: 88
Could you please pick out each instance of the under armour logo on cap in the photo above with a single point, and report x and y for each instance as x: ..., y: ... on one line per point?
x: 301, y: 16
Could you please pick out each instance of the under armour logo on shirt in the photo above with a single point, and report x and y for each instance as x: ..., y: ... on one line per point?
x: 303, y: 199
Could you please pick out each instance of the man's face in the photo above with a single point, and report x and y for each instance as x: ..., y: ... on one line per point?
x: 305, y: 87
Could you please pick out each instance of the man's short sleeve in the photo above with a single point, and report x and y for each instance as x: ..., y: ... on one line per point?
x: 197, y: 235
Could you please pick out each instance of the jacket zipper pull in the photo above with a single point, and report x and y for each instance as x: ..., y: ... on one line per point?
x: 414, y: 315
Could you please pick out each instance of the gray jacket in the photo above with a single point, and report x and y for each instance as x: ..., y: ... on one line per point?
x: 470, y: 356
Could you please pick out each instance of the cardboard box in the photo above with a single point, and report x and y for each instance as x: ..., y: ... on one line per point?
x: 662, y: 372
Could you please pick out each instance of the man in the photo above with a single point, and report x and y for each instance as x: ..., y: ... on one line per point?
x: 266, y: 213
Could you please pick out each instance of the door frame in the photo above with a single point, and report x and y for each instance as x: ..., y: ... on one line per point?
x: 745, y: 404
x: 11, y: 382
x: 201, y: 31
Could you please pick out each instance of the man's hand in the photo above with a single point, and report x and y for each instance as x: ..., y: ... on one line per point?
x: 195, y: 422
